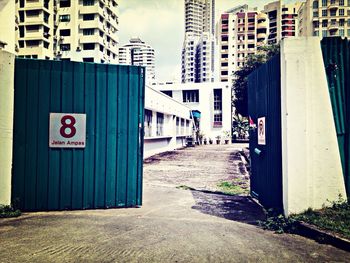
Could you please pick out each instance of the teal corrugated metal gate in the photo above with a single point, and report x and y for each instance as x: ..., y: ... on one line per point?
x: 336, y: 56
x: 264, y: 100
x: 108, y: 172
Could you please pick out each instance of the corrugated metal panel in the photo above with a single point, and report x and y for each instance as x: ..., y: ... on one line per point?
x: 264, y: 100
x: 108, y: 172
x: 336, y: 56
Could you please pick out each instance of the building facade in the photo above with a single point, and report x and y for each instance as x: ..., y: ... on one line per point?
x: 325, y: 18
x: 82, y: 30
x: 240, y: 32
x: 211, y: 100
x: 282, y: 20
x: 167, y: 123
x: 137, y: 53
x: 198, y: 46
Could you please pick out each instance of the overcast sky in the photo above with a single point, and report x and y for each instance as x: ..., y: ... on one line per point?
x: 160, y: 23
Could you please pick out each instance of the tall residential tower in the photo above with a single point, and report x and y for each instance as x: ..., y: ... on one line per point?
x: 78, y: 30
x: 137, y: 53
x: 198, y: 47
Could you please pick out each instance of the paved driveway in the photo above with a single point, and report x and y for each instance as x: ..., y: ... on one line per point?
x: 173, y: 225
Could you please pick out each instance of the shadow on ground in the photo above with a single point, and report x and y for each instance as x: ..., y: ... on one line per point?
x: 237, y: 208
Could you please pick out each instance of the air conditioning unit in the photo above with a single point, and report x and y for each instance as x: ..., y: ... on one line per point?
x: 61, y: 38
x: 59, y: 53
x: 78, y: 49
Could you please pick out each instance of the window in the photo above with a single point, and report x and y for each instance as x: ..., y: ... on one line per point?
x: 65, y: 32
x: 65, y: 47
x: 88, y: 59
x: 177, y: 125
x: 316, y: 33
x: 341, y: 22
x: 324, y: 23
x: 168, y: 93
x: 88, y: 17
x: 46, y: 45
x: 341, y: 12
x: 341, y: 2
x: 190, y: 95
x: 88, y: 2
x: 88, y: 31
x: 182, y: 126
x: 324, y: 2
x: 341, y: 32
x: 333, y: 12
x: 324, y: 33
x: 160, y: 123
x: 89, y: 46
x: 315, y: 13
x: 324, y: 12
x: 148, y: 123
x: 64, y: 18
x: 65, y: 3
x: 217, y: 99
x: 315, y: 4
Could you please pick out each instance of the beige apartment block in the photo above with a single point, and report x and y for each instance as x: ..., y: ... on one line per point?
x: 241, y: 31
x: 35, y: 28
x: 77, y: 30
x: 325, y: 18
x: 282, y: 19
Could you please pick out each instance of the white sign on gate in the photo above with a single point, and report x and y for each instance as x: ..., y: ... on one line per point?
x: 67, y: 130
x: 261, y: 131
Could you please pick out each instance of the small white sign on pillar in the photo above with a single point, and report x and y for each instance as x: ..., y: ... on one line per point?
x: 67, y: 130
x: 261, y: 131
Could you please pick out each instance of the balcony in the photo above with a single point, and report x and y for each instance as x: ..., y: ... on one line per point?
x: 333, y: 26
x: 333, y: 4
x: 262, y: 25
x: 261, y: 36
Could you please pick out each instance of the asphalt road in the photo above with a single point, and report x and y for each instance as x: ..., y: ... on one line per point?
x: 173, y: 225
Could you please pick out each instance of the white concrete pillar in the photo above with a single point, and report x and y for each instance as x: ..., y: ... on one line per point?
x: 7, y: 25
x: 6, y: 124
x: 312, y: 172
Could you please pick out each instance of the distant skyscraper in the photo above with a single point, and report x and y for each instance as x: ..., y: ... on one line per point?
x: 282, y: 20
x: 241, y: 31
x: 137, y: 53
x: 198, y: 47
x: 325, y: 18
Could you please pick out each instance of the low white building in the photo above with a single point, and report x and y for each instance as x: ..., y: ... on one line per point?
x: 167, y: 123
x: 212, y: 100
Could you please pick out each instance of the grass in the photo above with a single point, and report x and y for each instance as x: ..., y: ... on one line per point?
x: 8, y: 211
x: 335, y: 218
x: 232, y: 188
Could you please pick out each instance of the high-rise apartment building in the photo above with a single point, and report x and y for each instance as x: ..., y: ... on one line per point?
x: 78, y: 30
x: 137, y: 53
x: 241, y: 31
x: 282, y: 19
x: 35, y: 34
x: 198, y: 47
x: 325, y: 18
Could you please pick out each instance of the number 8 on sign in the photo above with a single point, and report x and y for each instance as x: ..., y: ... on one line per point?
x: 67, y: 130
x: 68, y: 123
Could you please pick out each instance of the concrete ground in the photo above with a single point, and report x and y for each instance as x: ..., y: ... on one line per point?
x: 173, y: 225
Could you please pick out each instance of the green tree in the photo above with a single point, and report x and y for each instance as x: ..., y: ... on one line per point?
x: 240, y: 83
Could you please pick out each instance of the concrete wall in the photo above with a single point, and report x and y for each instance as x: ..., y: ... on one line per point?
x: 172, y: 138
x: 6, y: 124
x: 312, y: 173
x: 7, y: 25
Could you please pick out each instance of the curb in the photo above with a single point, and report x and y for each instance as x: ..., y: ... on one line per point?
x: 321, y: 236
